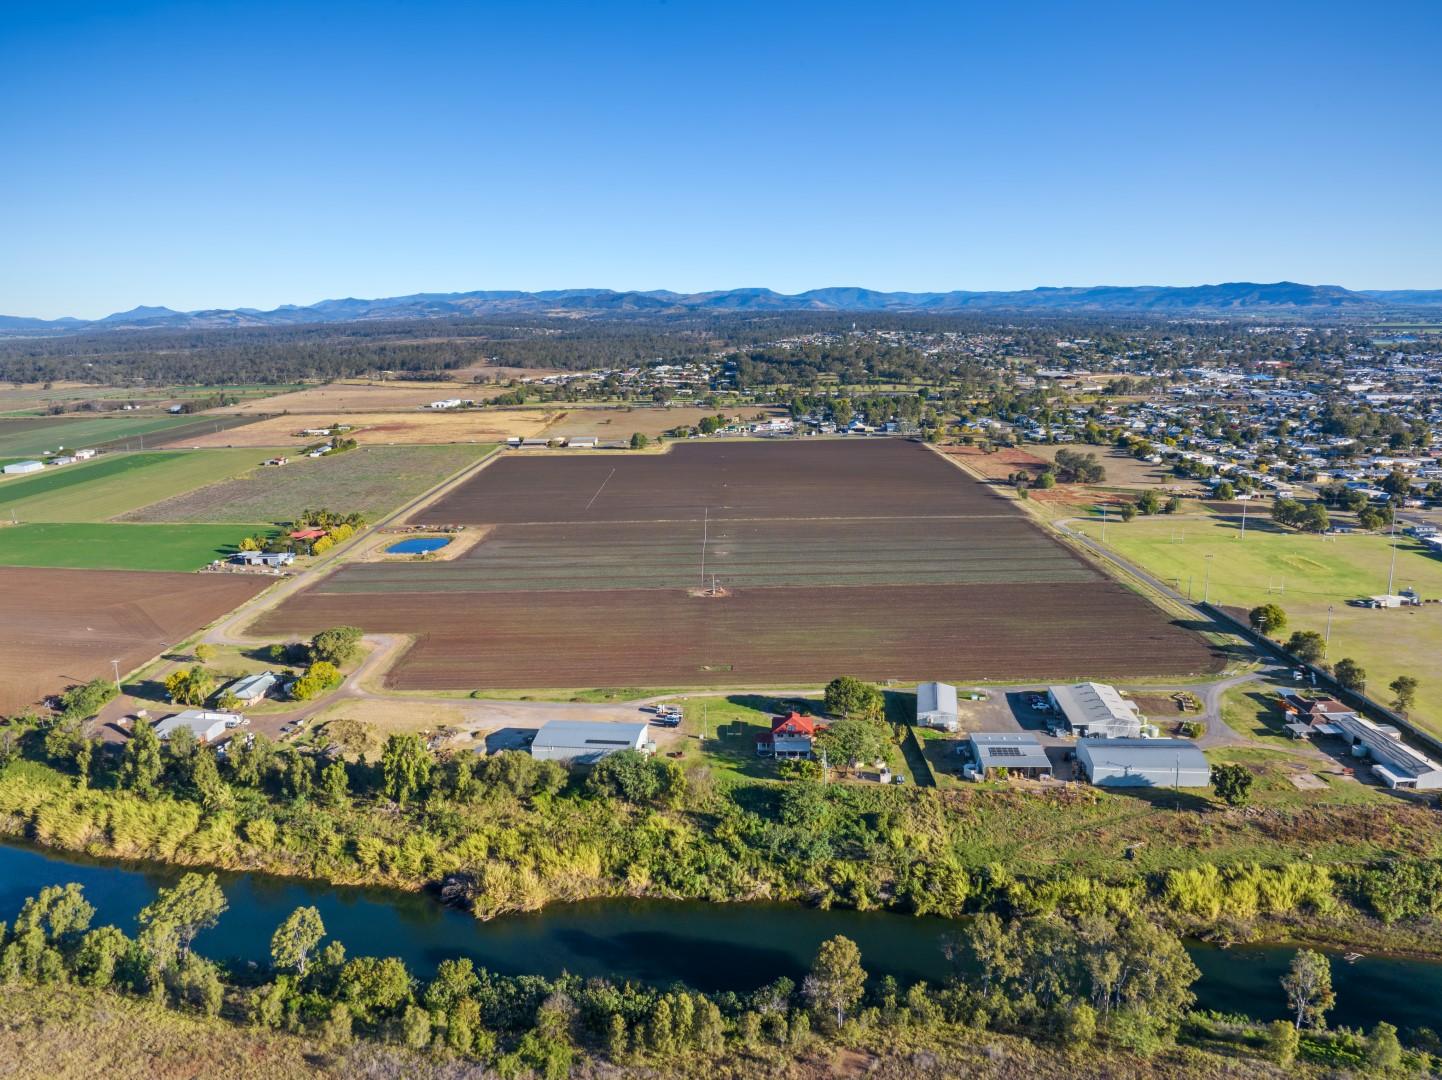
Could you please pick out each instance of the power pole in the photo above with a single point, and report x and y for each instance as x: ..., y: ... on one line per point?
x: 1207, y: 582
x: 116, y: 665
x: 1327, y: 638
x: 1244, y: 522
x: 705, y: 535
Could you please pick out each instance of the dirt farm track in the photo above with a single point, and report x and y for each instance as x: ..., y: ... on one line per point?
x: 874, y: 558
x: 60, y: 627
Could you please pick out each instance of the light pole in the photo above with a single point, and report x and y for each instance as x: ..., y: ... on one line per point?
x: 1392, y: 571
x: 1104, y: 524
x: 1327, y: 638
x: 116, y: 665
x: 1243, y: 536
x: 1207, y: 582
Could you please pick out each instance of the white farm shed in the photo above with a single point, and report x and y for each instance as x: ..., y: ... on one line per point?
x: 1143, y: 763
x: 936, y: 706
x: 585, y: 742
x: 19, y: 468
x: 1096, y: 711
x: 207, y: 726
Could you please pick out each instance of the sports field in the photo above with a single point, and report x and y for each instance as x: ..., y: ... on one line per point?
x: 370, y: 480
x: 1305, y: 574
x: 107, y: 546
x: 116, y: 483
x: 877, y: 559
x: 61, y: 627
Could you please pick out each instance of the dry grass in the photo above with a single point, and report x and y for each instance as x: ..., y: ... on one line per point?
x: 621, y: 421
x: 409, y: 428
x: 1123, y: 469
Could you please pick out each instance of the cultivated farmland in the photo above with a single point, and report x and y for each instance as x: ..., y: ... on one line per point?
x: 32, y: 436
x: 116, y: 483
x: 60, y: 627
x: 369, y: 480
x: 875, y: 558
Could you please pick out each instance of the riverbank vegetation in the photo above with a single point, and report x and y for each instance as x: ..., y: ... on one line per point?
x: 1093, y: 996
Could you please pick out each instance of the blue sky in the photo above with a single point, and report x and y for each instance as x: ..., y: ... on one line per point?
x: 219, y: 154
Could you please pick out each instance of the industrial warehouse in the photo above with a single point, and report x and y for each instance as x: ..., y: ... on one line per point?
x: 1143, y: 763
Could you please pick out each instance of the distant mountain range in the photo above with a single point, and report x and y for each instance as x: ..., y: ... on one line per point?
x: 1283, y: 297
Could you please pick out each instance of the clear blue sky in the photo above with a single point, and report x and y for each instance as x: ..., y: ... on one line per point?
x: 250, y: 154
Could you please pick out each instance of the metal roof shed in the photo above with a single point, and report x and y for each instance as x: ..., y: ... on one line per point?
x: 1014, y: 751
x: 585, y: 742
x: 1096, y: 710
x: 1143, y: 763
x: 936, y: 705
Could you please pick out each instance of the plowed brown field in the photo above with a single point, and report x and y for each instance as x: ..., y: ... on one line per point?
x: 871, y: 558
x: 60, y: 627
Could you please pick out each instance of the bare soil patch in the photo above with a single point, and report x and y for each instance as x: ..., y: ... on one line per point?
x: 61, y: 627
x: 620, y: 422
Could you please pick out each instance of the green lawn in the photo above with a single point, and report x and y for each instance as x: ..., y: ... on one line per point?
x: 104, y: 546
x: 117, y: 483
x: 1305, y: 574
x: 29, y: 437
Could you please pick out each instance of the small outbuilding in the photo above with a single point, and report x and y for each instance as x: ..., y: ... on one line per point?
x: 585, y: 742
x: 1096, y: 711
x: 1143, y: 763
x: 263, y: 558
x: 205, y: 725
x: 1018, y: 752
x: 936, y: 706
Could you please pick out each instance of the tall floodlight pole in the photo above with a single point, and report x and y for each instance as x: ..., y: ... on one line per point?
x: 1392, y: 571
x: 1207, y: 582
x: 1244, y: 522
x: 1327, y: 638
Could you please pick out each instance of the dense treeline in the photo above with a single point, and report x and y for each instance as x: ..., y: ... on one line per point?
x: 288, y: 354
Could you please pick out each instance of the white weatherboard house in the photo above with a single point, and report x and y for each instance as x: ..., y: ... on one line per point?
x: 584, y: 742
x: 207, y: 726
x: 1096, y: 711
x: 1143, y: 763
x: 936, y: 706
x: 19, y: 468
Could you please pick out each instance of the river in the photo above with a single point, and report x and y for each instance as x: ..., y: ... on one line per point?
x: 708, y: 946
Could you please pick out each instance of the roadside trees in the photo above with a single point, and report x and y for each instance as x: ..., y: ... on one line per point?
x: 337, y: 646
x: 190, y: 686
x: 1307, y: 646
x: 1404, y: 693
x: 1267, y: 619
x: 140, y: 761
x: 1350, y: 674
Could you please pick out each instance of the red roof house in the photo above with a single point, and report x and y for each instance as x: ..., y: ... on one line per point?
x: 791, y: 736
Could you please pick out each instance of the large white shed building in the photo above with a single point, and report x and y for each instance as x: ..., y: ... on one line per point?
x: 584, y: 742
x: 1096, y: 711
x: 1143, y: 763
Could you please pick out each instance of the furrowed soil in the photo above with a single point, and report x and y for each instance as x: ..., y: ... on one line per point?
x: 873, y: 558
x: 61, y: 627
x: 399, y: 428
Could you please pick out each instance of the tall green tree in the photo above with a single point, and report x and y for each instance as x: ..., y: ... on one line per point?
x: 1308, y: 985
x: 1267, y: 619
x: 1350, y: 674
x: 837, y: 979
x: 140, y: 761
x: 171, y: 922
x: 1404, y: 693
x: 854, y: 698
x: 296, y: 938
x: 405, y: 767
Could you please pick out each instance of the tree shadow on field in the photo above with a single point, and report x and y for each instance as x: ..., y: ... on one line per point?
x: 777, y: 706
x: 151, y: 690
